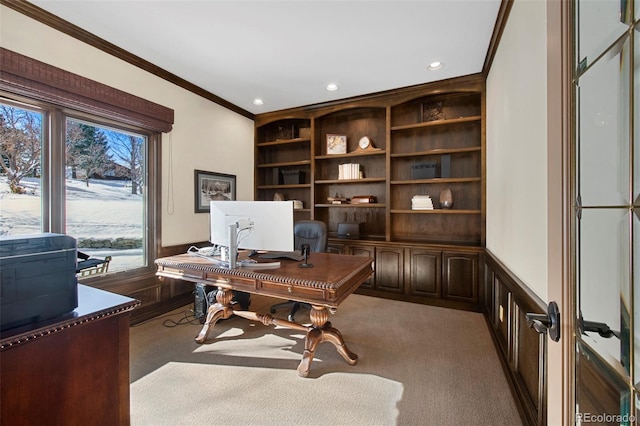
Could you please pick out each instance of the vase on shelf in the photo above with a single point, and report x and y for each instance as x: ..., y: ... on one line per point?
x: 446, y: 199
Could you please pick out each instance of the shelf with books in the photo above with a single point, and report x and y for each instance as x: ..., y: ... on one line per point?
x: 370, y: 166
x: 436, y: 145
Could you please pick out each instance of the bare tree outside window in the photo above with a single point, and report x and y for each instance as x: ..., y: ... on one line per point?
x: 20, y: 144
x: 127, y: 149
x: 20, y: 180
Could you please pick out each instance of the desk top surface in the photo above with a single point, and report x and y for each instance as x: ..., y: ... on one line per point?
x: 329, y: 271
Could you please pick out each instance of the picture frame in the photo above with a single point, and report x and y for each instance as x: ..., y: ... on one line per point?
x: 211, y: 186
x: 336, y: 144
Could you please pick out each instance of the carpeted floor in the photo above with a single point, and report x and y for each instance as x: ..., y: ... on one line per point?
x: 418, y: 365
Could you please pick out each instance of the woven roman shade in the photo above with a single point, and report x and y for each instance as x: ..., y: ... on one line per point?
x: 28, y: 77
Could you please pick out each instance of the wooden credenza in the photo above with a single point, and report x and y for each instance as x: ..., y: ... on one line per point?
x: 441, y: 275
x: 73, y: 370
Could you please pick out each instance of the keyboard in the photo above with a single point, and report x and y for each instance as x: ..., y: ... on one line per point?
x: 293, y: 255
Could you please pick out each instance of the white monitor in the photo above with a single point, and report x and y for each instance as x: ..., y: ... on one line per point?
x: 261, y: 225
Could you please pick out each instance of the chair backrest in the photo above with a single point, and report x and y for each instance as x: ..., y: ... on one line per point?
x: 312, y: 232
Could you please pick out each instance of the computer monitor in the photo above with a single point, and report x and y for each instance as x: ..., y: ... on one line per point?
x: 257, y: 225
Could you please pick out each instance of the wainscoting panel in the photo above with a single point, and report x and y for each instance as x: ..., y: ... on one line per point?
x: 156, y: 296
x: 522, y: 350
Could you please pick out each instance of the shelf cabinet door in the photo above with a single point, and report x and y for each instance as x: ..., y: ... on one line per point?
x: 423, y: 272
x: 390, y: 269
x: 460, y: 276
x: 365, y: 251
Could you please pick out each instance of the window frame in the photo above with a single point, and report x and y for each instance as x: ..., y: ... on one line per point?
x: 53, y: 196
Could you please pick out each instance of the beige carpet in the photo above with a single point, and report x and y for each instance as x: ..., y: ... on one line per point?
x: 418, y: 365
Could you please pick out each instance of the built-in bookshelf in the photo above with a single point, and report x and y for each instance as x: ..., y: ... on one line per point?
x: 418, y: 141
x: 284, y: 162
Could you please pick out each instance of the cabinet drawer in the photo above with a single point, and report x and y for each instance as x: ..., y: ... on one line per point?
x: 292, y: 292
x: 236, y: 283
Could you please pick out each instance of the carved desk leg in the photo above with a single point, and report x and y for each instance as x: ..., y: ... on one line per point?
x: 322, y: 331
x: 220, y: 310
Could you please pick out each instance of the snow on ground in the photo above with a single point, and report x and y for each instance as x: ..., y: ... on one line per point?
x: 105, y: 209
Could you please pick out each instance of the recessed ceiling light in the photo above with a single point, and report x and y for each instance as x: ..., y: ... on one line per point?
x: 435, y: 66
x: 332, y: 87
x: 258, y: 101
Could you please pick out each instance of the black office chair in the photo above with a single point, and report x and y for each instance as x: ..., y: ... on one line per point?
x: 314, y: 233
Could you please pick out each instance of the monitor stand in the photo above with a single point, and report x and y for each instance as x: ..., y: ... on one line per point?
x: 233, y: 245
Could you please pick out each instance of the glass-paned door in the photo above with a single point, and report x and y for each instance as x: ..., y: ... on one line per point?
x: 606, y: 211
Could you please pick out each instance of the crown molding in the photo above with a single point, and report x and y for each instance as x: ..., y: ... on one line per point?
x: 34, y: 12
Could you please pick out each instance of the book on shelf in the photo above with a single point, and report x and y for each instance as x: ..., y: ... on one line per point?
x: 349, y: 171
x: 421, y: 202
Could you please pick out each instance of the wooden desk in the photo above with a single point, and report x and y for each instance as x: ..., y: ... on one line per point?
x: 332, y: 279
x: 71, y: 370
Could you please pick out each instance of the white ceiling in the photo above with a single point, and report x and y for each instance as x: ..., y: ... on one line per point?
x: 286, y: 52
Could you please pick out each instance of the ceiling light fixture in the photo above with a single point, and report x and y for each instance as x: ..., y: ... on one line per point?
x: 332, y: 87
x: 435, y: 66
x: 258, y: 101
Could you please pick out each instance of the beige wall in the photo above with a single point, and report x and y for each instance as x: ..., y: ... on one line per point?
x: 516, y: 147
x: 205, y: 135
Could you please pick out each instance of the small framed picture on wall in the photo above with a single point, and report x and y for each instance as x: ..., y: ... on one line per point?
x: 211, y: 186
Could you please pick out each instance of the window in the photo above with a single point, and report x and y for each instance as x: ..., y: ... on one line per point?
x: 62, y: 130
x: 102, y: 197
x: 20, y: 177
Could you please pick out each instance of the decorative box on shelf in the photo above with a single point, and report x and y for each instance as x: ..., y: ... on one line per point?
x: 337, y: 199
x: 285, y: 132
x: 363, y: 199
x: 304, y: 132
x: 432, y: 111
x: 292, y: 177
x: 423, y: 170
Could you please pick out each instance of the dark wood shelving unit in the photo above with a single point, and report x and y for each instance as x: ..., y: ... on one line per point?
x: 353, y: 206
x: 438, y: 127
x: 350, y: 181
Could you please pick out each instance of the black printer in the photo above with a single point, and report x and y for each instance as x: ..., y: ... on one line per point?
x: 37, y: 278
